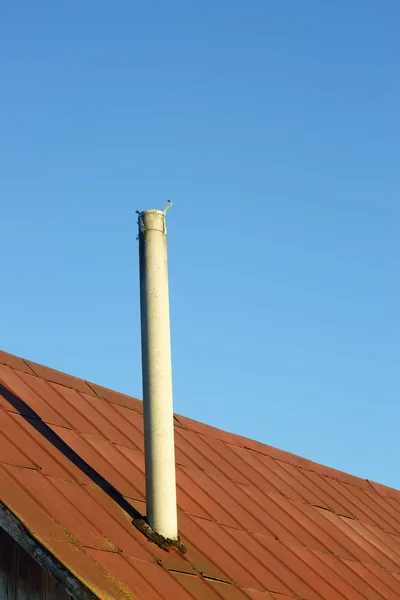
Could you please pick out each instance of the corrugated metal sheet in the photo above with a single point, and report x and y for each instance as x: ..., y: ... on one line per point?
x: 258, y: 523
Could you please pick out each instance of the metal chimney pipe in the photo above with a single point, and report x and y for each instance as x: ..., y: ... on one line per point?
x: 157, y: 375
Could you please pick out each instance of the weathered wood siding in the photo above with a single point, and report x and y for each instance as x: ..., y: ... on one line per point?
x: 22, y: 578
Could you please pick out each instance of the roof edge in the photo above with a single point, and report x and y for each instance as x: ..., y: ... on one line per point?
x: 17, y: 530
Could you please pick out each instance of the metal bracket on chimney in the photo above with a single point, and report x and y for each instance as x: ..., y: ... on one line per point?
x: 168, y: 206
x: 140, y: 221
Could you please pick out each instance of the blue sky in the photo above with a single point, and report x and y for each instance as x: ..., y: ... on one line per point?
x: 274, y: 128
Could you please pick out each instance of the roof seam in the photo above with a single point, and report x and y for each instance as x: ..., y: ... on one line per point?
x: 321, y: 492
x: 93, y: 390
x: 100, y: 396
x: 28, y: 366
x: 197, y: 449
x: 354, y: 501
x: 224, y: 528
x: 66, y: 400
x: 39, y: 395
x: 11, y: 464
x: 28, y: 433
x: 113, y: 407
x: 325, y: 579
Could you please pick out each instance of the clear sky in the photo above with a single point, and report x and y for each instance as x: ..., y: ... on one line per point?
x: 274, y: 127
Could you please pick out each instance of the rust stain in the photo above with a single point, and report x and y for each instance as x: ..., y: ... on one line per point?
x: 257, y: 522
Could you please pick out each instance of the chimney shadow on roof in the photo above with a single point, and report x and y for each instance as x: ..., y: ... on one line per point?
x: 35, y: 421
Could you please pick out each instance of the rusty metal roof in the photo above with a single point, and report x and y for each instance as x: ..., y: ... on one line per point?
x: 258, y: 523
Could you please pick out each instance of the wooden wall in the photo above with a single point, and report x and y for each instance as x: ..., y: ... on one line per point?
x: 22, y: 578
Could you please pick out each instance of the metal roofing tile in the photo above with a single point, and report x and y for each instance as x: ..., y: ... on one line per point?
x: 316, y: 532
x: 384, y: 583
x: 210, y: 589
x: 22, y: 397
x: 116, y: 524
x: 209, y: 431
x: 224, y: 456
x: 389, y: 508
x: 186, y: 453
x: 81, y: 564
x: 231, y: 592
x: 70, y: 404
x: 116, y: 397
x: 326, y: 573
x: 285, y: 519
x: 108, y: 460
x: 381, y: 548
x: 385, y: 491
x: 59, y: 377
x: 201, y: 562
x: 134, y: 457
x: 194, y: 538
x: 185, y: 499
x: 11, y: 450
x: 172, y: 560
x: 380, y: 510
x: 138, y: 505
x: 111, y: 422
x: 240, y: 441
x: 352, y: 480
x: 32, y: 436
x: 238, y: 553
x: 114, y: 527
x: 14, y: 362
x: 360, y: 580
x: 76, y: 408
x: 317, y: 491
x: 394, y: 537
x: 58, y: 499
x: 393, y: 503
x: 343, y: 534
x: 24, y: 505
x: 396, y: 575
x: 360, y: 504
x: 330, y: 472
x: 261, y: 475
x: 196, y: 587
x: 275, y: 453
x: 214, y: 497
x: 310, y: 486
x: 277, y: 556
x: 158, y: 579
x: 257, y: 595
x: 240, y: 502
x: 198, y: 452
x: 145, y: 580
x: 293, y: 476
x: 134, y: 420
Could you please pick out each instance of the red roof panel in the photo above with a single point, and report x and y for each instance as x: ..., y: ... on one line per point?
x: 258, y: 523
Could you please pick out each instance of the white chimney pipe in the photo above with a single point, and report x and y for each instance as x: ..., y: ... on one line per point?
x: 157, y: 375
